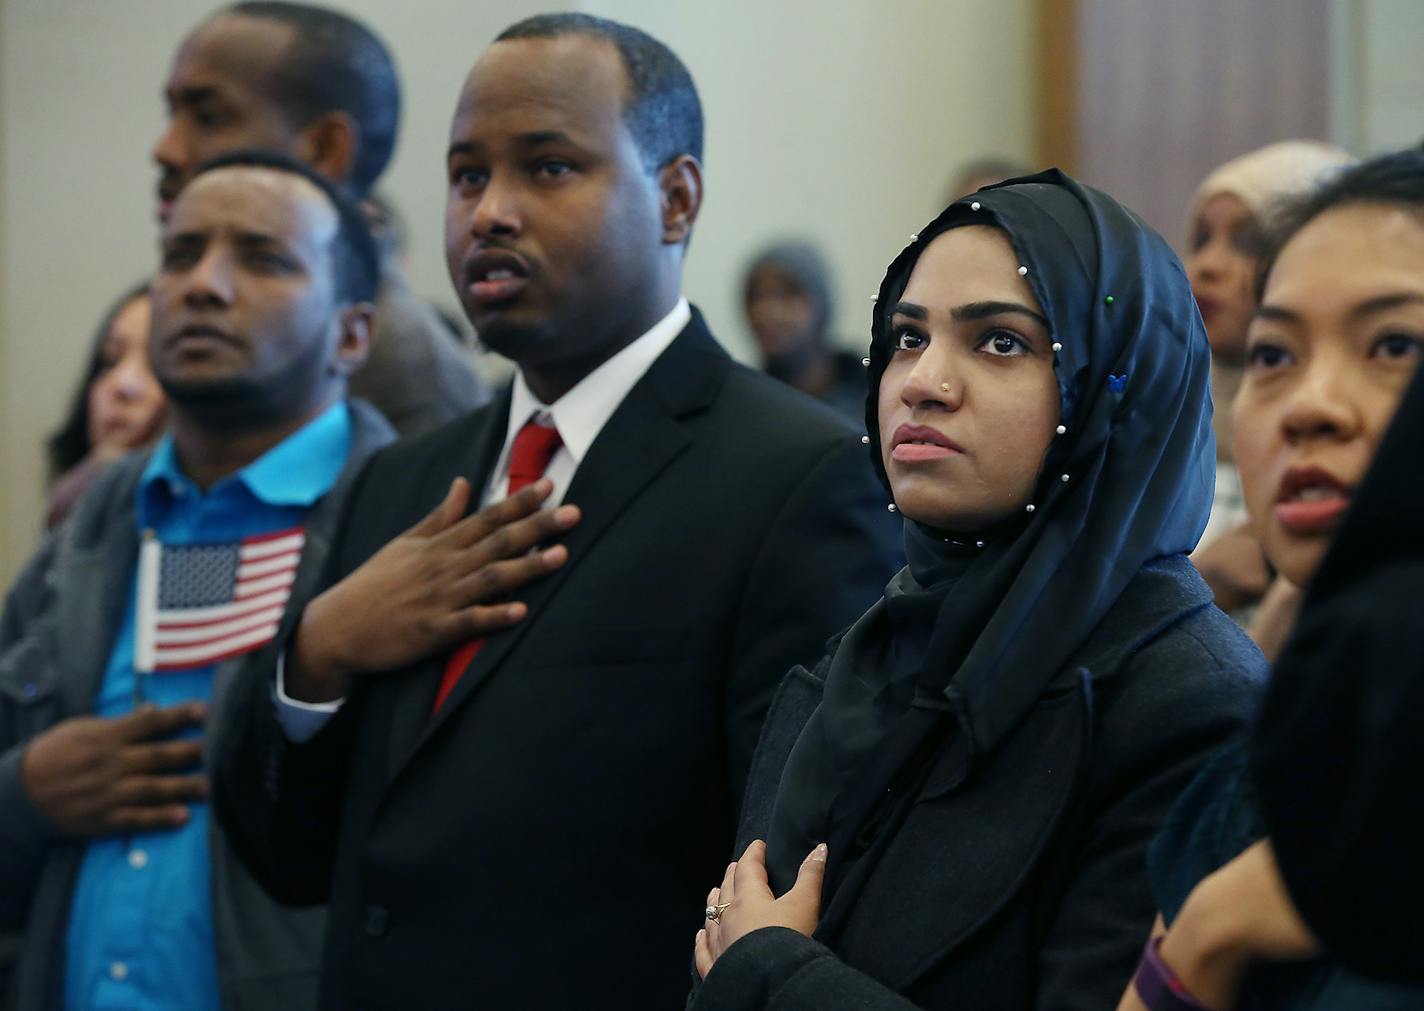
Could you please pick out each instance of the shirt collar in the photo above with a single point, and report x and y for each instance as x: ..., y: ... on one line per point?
x: 296, y: 472
x: 581, y: 413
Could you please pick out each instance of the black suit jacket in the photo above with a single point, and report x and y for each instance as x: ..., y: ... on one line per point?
x: 547, y: 840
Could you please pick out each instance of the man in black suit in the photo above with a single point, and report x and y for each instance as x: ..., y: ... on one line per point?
x: 456, y: 770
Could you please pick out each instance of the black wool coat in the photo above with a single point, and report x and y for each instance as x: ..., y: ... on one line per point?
x: 1023, y: 885
x: 730, y: 525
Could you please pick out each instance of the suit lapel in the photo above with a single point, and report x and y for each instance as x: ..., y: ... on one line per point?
x: 408, y: 694
x: 640, y: 439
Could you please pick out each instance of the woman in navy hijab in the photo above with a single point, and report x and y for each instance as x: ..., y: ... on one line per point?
x: 955, y: 804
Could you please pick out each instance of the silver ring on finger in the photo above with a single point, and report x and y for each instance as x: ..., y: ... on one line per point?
x: 714, y: 913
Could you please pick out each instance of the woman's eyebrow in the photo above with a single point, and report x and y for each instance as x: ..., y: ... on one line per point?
x: 1383, y: 303
x: 1275, y: 313
x: 972, y: 311
x: 910, y: 309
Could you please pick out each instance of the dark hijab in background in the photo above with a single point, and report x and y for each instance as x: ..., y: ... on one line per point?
x: 803, y: 265
x: 968, y: 638
x: 1336, y: 756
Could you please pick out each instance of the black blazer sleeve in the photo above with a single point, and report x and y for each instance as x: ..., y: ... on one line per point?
x: 780, y: 970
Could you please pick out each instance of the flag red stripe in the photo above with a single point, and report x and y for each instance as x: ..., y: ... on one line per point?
x: 267, y: 549
x: 233, y: 645
x: 267, y: 566
x: 266, y: 584
x: 194, y: 616
x: 194, y: 635
x: 274, y: 535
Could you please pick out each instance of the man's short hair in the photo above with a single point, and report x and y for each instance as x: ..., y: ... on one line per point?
x: 663, y: 113
x: 334, y: 62
x: 356, y: 266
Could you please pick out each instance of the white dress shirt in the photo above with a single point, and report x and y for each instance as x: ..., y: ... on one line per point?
x: 579, y: 415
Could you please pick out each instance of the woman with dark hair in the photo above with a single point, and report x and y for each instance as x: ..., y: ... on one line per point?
x: 787, y: 296
x: 1331, y: 350
x: 1225, y: 227
x: 957, y: 801
x: 117, y: 407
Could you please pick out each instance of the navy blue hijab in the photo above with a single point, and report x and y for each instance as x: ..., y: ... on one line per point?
x: 968, y: 638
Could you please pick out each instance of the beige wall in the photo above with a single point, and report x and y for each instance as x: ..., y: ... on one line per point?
x: 835, y: 120
x: 1387, y: 108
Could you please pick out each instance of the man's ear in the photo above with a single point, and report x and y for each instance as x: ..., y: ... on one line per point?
x: 354, y: 344
x: 328, y: 144
x: 680, y: 189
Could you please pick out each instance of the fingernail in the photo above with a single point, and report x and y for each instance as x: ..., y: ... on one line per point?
x: 565, y: 515
x: 819, y: 854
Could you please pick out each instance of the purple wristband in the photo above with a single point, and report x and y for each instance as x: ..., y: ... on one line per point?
x: 1158, y: 986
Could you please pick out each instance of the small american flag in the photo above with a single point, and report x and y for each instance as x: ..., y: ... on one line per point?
x: 202, y: 603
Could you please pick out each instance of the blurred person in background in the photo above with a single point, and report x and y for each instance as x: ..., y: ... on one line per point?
x: 117, y: 407
x: 787, y: 295
x: 986, y: 170
x: 1226, y: 225
x: 319, y: 86
x: 388, y: 228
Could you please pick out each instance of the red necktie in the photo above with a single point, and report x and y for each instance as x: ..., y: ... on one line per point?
x: 534, y: 447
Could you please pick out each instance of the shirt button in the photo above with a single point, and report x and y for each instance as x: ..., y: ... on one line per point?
x: 377, y: 919
x: 138, y: 859
x: 119, y: 971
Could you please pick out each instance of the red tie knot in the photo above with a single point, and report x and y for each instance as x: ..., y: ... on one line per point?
x: 534, y: 447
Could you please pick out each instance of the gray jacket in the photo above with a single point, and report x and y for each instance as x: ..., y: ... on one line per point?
x: 417, y: 375
x: 56, y: 631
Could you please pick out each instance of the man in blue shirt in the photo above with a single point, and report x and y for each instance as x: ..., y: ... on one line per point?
x: 166, y: 583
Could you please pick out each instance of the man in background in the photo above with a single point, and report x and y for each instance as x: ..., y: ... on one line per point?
x: 321, y: 87
x: 144, y: 609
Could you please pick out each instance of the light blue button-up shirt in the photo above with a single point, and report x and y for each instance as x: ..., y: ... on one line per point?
x: 140, y: 925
